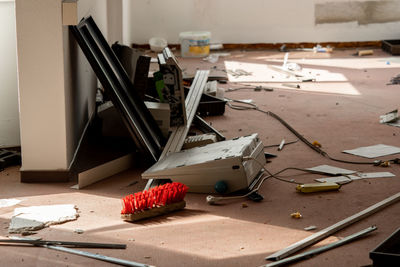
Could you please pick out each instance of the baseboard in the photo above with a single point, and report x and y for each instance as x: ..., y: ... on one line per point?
x: 104, y: 171
x: 337, y: 45
x: 45, y: 176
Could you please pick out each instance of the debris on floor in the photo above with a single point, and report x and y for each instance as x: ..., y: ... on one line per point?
x: 239, y: 72
x: 374, y: 151
x: 8, y: 202
x: 296, y: 215
x: 333, y: 228
x: 356, y: 176
x: 311, y: 227
x: 38, y: 217
x: 9, y: 158
x: 79, y: 231
x: 361, y: 53
x: 394, y: 80
x: 391, y: 118
x: 310, y: 253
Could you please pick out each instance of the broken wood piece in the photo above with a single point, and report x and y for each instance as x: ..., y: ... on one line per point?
x: 309, y: 254
x: 333, y: 228
x: 153, y: 212
x: 365, y: 53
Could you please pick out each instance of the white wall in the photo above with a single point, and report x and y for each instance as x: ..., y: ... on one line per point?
x: 9, y: 114
x: 250, y: 21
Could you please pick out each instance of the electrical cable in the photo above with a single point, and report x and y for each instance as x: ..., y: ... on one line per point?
x: 251, y: 106
x: 212, y: 199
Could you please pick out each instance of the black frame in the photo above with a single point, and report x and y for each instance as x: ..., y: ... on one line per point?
x: 138, y: 119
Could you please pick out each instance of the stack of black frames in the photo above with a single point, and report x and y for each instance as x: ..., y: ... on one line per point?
x: 138, y: 119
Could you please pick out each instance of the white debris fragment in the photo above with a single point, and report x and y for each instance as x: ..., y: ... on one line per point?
x: 311, y: 227
x: 8, y: 202
x: 79, y: 231
x: 38, y: 217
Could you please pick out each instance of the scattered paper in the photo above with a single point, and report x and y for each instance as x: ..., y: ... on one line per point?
x: 311, y: 227
x: 331, y: 169
x: 357, y: 176
x: 336, y: 179
x: 276, y: 73
x: 8, y: 202
x: 374, y: 151
x: 38, y: 217
x: 375, y: 175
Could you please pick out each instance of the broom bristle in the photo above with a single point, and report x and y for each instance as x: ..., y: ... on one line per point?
x: 155, y: 197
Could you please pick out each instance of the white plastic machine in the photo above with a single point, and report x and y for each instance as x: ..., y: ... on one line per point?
x: 234, y: 163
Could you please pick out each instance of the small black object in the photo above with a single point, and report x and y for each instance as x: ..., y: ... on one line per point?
x: 255, y: 196
x: 9, y: 158
x: 388, y: 252
x: 223, y: 81
x: 268, y: 156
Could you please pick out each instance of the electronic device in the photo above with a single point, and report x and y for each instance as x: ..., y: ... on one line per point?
x: 221, y: 167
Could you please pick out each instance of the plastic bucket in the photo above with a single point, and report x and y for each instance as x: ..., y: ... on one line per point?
x: 195, y: 44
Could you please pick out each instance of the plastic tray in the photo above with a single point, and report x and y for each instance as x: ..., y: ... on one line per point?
x: 211, y: 106
x: 391, y: 46
x: 387, y: 254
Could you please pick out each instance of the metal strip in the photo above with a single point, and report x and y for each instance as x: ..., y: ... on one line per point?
x: 309, y: 254
x: 333, y: 228
x: 99, y: 257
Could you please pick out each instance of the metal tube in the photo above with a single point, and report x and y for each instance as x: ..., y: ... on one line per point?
x: 99, y: 256
x: 309, y: 254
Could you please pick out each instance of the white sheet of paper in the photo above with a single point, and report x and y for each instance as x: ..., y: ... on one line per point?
x: 358, y: 176
x: 331, y: 169
x: 374, y: 151
x: 375, y: 175
x: 336, y: 179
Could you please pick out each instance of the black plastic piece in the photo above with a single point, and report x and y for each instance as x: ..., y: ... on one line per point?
x: 211, y: 106
x: 387, y: 254
x: 138, y: 119
x: 268, y: 155
x: 9, y: 158
x: 255, y: 196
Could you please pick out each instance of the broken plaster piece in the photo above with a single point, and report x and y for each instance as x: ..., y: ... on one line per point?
x: 38, y: 217
x: 374, y: 151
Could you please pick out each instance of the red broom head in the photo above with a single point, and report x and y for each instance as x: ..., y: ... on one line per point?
x: 157, y: 196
